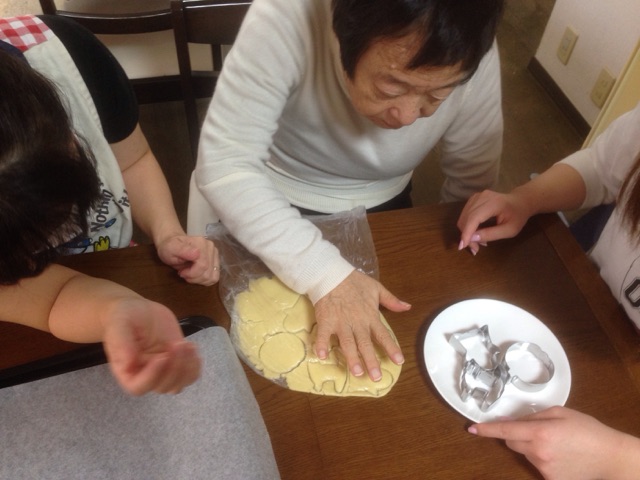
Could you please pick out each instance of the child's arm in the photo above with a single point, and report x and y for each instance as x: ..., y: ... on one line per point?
x: 143, y: 340
x: 195, y: 258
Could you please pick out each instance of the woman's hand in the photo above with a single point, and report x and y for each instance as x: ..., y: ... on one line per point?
x: 564, y: 444
x: 351, y: 312
x: 146, y: 349
x: 509, y: 210
x: 559, y: 188
x: 196, y: 259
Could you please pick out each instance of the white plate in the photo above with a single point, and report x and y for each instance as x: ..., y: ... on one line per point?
x: 507, y: 323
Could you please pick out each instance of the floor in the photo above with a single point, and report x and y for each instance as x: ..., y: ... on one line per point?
x: 537, y: 134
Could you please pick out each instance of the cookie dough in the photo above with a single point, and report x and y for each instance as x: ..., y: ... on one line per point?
x: 274, y: 329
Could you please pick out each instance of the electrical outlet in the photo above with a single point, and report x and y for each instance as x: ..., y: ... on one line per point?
x: 602, y: 88
x: 567, y: 43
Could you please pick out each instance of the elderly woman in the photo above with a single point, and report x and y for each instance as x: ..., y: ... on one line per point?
x: 75, y: 170
x: 326, y: 105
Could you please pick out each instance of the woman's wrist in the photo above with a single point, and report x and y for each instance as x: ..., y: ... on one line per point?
x: 166, y: 233
x: 624, y: 461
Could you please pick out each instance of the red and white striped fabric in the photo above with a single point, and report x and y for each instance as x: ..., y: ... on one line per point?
x: 24, y: 32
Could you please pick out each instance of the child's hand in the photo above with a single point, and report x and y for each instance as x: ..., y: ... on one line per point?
x: 146, y: 349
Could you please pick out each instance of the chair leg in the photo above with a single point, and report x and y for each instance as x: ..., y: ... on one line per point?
x: 193, y: 123
x: 48, y: 7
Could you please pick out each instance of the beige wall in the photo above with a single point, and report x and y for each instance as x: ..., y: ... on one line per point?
x: 624, y: 97
x: 10, y: 8
x: 608, y: 33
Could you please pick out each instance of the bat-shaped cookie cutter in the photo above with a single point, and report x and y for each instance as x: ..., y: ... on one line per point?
x: 486, y: 385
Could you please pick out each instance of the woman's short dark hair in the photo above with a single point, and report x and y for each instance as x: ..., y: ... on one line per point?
x: 48, y: 180
x: 452, y: 31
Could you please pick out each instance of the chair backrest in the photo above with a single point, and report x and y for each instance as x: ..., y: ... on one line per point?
x: 124, y: 17
x: 115, y: 16
x: 212, y: 22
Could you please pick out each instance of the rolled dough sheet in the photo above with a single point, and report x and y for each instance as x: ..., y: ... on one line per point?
x: 274, y: 329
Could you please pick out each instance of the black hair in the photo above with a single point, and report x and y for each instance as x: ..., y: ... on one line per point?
x: 452, y: 32
x: 48, y: 179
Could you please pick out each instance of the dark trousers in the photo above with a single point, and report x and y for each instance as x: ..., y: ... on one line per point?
x: 400, y: 201
x: 587, y: 229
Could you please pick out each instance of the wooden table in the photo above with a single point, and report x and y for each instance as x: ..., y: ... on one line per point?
x: 412, y: 432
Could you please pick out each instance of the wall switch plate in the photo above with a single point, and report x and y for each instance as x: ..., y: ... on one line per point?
x: 602, y: 88
x: 567, y: 43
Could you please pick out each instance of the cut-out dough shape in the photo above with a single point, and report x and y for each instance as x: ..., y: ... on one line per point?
x: 274, y: 329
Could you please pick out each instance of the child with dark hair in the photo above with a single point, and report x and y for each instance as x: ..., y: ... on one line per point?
x: 560, y: 442
x: 48, y: 181
x: 326, y: 105
x: 75, y: 170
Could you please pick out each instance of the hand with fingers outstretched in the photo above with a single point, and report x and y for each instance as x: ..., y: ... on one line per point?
x: 351, y: 313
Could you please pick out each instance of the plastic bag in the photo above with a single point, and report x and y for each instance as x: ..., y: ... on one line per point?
x: 348, y: 231
x: 265, y: 314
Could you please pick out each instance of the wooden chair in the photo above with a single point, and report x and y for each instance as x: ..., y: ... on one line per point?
x: 124, y: 17
x: 114, y: 17
x: 212, y: 22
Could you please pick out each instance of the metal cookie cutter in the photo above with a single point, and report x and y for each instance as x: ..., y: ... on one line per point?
x: 486, y: 385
